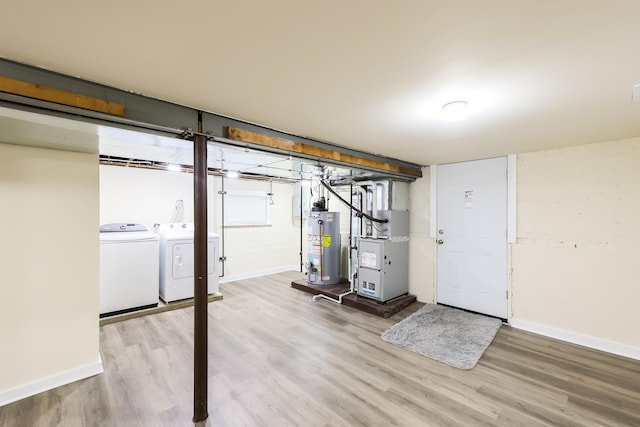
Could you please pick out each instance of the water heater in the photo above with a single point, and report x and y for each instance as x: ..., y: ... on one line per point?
x: 323, y: 246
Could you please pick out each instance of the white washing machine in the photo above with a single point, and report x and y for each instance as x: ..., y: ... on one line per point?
x: 129, y: 277
x: 177, y: 261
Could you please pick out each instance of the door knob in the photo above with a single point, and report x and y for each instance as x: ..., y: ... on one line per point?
x: 439, y: 241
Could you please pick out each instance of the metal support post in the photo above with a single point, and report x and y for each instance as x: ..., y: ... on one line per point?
x: 200, y: 284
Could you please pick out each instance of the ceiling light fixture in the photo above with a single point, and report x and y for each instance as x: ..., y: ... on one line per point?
x: 174, y: 168
x: 232, y: 174
x: 455, y: 111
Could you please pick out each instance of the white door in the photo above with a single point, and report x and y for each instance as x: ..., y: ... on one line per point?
x: 472, y: 236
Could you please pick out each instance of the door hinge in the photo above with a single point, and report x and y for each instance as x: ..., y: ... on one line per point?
x: 506, y: 294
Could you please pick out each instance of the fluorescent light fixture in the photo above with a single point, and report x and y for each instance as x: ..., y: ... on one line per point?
x: 455, y: 110
x: 174, y: 168
x: 232, y: 174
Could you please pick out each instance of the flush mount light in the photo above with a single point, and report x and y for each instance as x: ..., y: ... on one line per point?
x: 174, y: 168
x: 232, y: 174
x: 455, y: 110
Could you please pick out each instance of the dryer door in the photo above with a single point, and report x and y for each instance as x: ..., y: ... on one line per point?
x: 182, y: 260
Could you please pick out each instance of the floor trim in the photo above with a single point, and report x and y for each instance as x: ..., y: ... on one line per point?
x: 23, y: 391
x: 161, y: 308
x: 260, y: 273
x: 580, y: 339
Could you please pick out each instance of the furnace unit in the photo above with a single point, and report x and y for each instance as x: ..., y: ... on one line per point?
x: 383, y: 263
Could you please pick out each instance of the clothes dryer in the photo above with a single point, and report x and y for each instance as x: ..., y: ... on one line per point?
x: 177, y: 261
x: 128, y: 268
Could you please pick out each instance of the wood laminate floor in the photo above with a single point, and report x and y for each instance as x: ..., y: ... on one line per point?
x: 278, y: 359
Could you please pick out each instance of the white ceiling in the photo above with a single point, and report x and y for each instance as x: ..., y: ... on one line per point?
x: 370, y: 75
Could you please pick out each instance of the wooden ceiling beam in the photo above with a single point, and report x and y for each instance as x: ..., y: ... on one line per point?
x: 294, y: 147
x: 44, y: 93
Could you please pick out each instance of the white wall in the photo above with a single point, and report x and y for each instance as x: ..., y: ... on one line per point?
x: 255, y: 250
x: 421, y: 247
x: 576, y: 264
x: 49, y: 269
x: 144, y: 196
x: 149, y: 196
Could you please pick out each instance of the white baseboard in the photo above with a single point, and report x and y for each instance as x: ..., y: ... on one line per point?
x: 23, y: 391
x: 253, y: 274
x: 577, y: 338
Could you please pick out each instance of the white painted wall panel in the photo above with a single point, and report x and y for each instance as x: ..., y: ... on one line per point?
x: 49, y: 255
x: 421, y: 247
x: 575, y: 264
x: 255, y: 249
x: 145, y: 196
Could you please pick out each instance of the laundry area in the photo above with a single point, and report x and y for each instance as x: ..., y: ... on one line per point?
x: 345, y: 228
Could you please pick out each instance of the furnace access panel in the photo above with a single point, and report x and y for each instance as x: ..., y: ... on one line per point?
x: 383, y: 268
